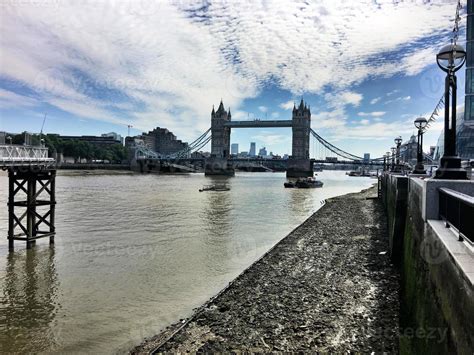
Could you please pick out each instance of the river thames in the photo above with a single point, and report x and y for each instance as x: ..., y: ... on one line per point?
x: 135, y: 253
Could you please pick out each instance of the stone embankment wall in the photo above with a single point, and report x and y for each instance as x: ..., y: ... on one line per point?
x: 436, y: 296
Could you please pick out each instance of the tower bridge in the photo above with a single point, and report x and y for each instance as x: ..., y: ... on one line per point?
x: 299, y: 165
x: 221, y: 162
x: 259, y: 124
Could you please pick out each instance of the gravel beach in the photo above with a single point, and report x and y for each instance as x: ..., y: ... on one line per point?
x: 327, y: 286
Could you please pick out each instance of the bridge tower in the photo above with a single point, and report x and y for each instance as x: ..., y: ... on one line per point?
x: 299, y: 165
x: 220, y: 143
x: 220, y: 146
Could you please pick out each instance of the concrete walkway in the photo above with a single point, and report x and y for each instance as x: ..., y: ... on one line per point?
x: 327, y: 286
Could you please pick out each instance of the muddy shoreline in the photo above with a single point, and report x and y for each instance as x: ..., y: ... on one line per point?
x: 327, y: 286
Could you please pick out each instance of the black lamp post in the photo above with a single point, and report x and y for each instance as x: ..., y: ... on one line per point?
x: 398, y: 142
x: 394, y: 152
x: 450, y: 59
x: 384, y: 163
x: 420, y: 123
x: 10, y: 139
x: 387, y: 155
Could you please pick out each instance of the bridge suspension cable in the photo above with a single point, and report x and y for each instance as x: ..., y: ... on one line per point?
x: 202, y: 144
x: 454, y: 39
x: 334, y: 149
x: 199, y: 139
x: 194, y: 146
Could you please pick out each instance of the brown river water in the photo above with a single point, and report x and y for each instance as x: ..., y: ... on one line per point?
x: 135, y: 253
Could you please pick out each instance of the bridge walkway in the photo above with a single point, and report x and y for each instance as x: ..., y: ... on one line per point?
x: 12, y: 156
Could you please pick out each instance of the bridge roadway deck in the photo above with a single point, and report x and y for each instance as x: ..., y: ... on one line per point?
x: 259, y: 124
x: 255, y: 160
x: 328, y: 286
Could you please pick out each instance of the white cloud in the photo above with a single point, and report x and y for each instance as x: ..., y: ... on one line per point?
x: 329, y: 119
x: 372, y: 114
x: 9, y: 99
x: 393, y: 92
x: 287, y: 105
x: 240, y: 115
x: 375, y: 100
x: 343, y: 98
x: 350, y: 98
x: 271, y: 139
x: 364, y: 121
x: 401, y: 98
x: 263, y: 108
x: 374, y: 131
x: 161, y: 66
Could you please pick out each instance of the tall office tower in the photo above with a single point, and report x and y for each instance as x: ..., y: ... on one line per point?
x: 252, y: 151
x: 469, y: 99
x: 234, y: 148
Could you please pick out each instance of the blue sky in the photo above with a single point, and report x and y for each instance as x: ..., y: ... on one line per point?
x: 367, y: 68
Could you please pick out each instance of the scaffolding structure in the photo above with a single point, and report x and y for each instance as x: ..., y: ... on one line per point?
x: 31, y: 205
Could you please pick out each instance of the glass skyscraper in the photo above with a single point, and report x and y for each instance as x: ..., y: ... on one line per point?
x: 234, y: 148
x: 465, y: 130
x: 253, y: 149
x: 469, y: 99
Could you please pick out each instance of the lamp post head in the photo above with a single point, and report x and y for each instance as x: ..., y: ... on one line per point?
x: 388, y: 154
x: 451, y: 58
x: 420, y: 123
x: 398, y: 140
x: 394, y: 150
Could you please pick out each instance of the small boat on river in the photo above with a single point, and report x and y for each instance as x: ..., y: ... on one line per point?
x: 214, y: 188
x: 307, y: 183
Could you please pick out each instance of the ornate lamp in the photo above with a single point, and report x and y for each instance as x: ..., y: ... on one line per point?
x: 450, y: 59
x: 398, y: 142
x: 420, y: 124
x: 394, y: 152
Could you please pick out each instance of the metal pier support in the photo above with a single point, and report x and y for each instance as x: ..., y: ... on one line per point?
x: 31, y: 205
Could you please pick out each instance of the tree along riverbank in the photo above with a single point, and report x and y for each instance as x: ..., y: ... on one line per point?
x: 327, y: 286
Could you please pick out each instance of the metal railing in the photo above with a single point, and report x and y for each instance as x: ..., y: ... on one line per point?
x: 143, y: 152
x: 457, y: 210
x: 18, y: 155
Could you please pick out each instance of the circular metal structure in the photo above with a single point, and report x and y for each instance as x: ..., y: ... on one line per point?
x: 421, y: 122
x: 451, y: 58
x: 398, y: 140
